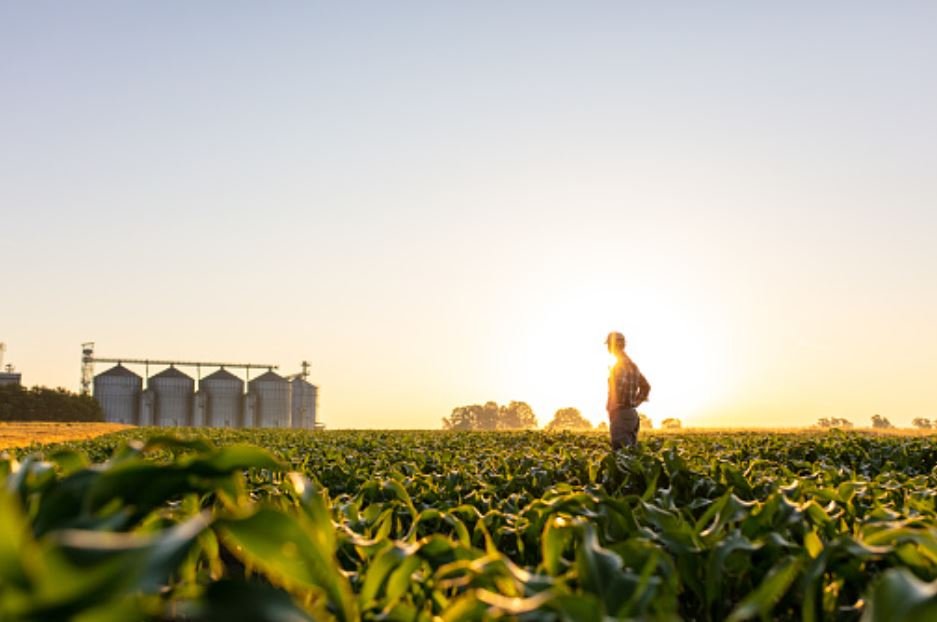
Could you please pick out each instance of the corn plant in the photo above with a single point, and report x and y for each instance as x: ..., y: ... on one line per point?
x: 425, y: 526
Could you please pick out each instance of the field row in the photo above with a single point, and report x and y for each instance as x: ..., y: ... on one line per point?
x: 453, y: 526
x: 24, y: 434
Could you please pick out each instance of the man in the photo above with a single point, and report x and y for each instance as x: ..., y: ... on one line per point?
x: 627, y: 389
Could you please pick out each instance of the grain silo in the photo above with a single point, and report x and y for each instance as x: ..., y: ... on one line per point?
x: 304, y: 397
x: 174, y: 391
x: 224, y: 393
x: 272, y: 392
x: 118, y: 391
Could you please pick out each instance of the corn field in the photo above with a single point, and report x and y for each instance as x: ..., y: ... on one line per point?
x: 423, y: 526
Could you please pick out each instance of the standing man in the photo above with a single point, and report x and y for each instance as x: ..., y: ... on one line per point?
x: 627, y: 389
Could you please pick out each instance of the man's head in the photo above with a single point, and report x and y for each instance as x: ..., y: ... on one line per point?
x: 615, y: 343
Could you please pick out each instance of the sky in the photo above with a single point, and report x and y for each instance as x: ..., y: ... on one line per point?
x: 441, y: 204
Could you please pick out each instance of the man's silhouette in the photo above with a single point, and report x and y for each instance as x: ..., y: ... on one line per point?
x: 627, y: 389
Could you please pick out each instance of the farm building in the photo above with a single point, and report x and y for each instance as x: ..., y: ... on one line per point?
x: 9, y: 377
x: 173, y: 398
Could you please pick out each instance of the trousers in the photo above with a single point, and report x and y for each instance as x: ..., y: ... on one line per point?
x: 623, y: 425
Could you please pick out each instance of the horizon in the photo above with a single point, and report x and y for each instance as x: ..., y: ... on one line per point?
x: 443, y: 206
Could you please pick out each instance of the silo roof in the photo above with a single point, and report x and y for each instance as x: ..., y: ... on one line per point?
x: 171, y: 372
x: 221, y: 374
x: 268, y: 376
x: 303, y: 382
x: 118, y: 371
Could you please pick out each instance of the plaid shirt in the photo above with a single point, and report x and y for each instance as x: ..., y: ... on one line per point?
x: 627, y: 386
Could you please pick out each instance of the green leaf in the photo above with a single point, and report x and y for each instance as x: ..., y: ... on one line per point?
x: 715, y: 568
x: 772, y: 589
x: 289, y: 554
x: 168, y: 442
x: 899, y: 595
x: 87, y: 570
x: 813, y: 544
x: 465, y: 608
x: 513, y: 605
x: 236, y: 600
x: 600, y: 571
x: 17, y: 550
x: 555, y: 539
x: 577, y: 607
x: 69, y: 460
x: 231, y: 458
x: 378, y: 572
x: 145, y: 562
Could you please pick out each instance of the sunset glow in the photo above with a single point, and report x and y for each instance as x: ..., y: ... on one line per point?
x: 438, y: 207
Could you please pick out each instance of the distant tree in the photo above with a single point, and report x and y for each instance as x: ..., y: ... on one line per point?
x: 824, y: 423
x: 462, y: 418
x: 922, y: 424
x: 646, y: 423
x: 491, y: 416
x: 602, y: 427
x: 671, y: 424
x: 840, y: 423
x: 568, y: 419
x: 517, y: 416
x: 881, y: 423
x: 488, y: 416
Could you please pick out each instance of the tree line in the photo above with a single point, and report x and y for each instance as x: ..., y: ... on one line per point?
x: 520, y: 416
x: 18, y: 403
x: 491, y: 416
x: 878, y: 423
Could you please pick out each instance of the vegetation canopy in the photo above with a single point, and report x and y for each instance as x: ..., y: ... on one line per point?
x: 425, y: 526
x: 43, y: 404
x: 491, y: 416
x: 568, y: 419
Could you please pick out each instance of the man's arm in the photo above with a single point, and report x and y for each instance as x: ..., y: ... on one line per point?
x: 644, y: 388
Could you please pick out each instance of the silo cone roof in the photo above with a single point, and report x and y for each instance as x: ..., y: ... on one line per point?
x: 267, y: 377
x: 171, y: 372
x: 221, y: 374
x: 118, y: 371
x: 303, y: 383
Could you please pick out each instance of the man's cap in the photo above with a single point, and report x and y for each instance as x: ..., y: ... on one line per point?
x: 616, y: 337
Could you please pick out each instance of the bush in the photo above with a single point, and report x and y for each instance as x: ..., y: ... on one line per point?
x: 569, y: 419
x: 881, y: 423
x: 44, y: 404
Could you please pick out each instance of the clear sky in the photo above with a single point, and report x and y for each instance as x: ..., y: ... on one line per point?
x: 441, y: 204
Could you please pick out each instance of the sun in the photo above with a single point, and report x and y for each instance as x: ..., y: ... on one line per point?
x: 565, y: 362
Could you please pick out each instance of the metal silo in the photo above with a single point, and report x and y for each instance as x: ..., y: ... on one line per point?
x: 224, y: 393
x: 118, y: 391
x: 273, y: 400
x: 174, y: 392
x: 304, y: 403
